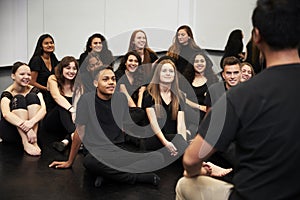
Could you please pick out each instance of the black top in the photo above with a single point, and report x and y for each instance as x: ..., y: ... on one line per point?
x: 200, y: 92
x: 37, y: 64
x: 262, y: 116
x: 153, y: 57
x: 132, y: 90
x: 169, y: 125
x: 103, y: 119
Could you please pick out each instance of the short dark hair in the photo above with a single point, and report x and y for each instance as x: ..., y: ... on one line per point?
x: 278, y: 22
x: 103, y: 67
x: 231, y: 60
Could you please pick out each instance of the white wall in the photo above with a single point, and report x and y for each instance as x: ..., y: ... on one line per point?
x: 71, y: 22
x: 13, y: 31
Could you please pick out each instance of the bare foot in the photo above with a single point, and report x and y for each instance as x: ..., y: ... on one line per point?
x: 32, y: 149
x: 218, y: 171
x: 38, y: 148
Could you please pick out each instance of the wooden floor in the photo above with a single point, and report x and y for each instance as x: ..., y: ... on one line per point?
x: 29, y: 178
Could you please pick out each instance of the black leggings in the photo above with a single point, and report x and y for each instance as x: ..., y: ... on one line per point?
x: 9, y: 132
x: 59, y: 121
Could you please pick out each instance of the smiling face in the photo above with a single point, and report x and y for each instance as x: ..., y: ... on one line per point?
x: 96, y: 45
x: 105, y: 84
x: 139, y: 40
x: 199, y: 64
x: 70, y: 71
x: 246, y: 73
x: 167, y: 73
x: 183, y: 37
x: 232, y: 75
x: 22, y: 76
x: 48, y: 45
x: 131, y: 63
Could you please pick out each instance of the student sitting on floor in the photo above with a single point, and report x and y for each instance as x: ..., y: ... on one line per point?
x: 22, y: 107
x: 61, y: 86
x: 99, y: 122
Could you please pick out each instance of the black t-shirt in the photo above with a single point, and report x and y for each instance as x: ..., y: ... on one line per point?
x: 37, y: 64
x: 133, y: 90
x: 169, y: 125
x: 103, y: 119
x: 263, y: 116
x: 200, y: 92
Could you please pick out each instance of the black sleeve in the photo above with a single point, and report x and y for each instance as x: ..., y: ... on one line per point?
x: 153, y: 57
x: 7, y: 95
x: 35, y: 64
x: 147, y: 100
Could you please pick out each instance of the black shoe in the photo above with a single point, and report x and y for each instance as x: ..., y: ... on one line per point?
x: 59, y: 146
x: 98, y: 182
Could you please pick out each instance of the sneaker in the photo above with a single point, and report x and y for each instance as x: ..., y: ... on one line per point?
x: 59, y: 146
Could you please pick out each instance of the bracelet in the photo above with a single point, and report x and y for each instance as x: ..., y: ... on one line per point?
x: 70, y: 108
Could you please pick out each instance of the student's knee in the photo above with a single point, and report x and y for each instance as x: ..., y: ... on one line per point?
x: 181, y: 189
x: 202, y: 187
x: 18, y: 102
x: 32, y: 98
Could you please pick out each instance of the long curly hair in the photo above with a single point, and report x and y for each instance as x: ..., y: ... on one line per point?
x: 105, y: 55
x: 138, y: 74
x: 189, y: 72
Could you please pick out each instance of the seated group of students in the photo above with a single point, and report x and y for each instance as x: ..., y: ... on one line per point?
x: 151, y: 99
